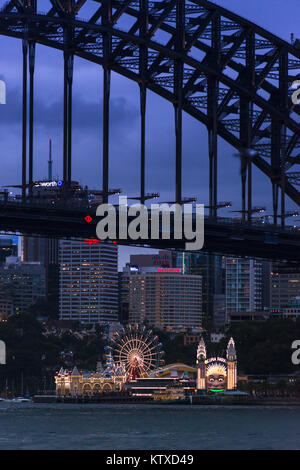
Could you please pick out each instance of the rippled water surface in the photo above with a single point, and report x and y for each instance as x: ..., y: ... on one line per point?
x: 62, y: 426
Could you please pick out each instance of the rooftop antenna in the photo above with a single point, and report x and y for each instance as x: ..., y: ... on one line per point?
x: 292, y: 38
x: 50, y: 162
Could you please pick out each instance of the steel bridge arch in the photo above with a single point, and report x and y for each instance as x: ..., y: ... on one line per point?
x: 267, y: 122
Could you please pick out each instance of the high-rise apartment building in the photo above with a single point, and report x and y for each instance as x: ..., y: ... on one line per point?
x: 88, y: 281
x: 243, y: 285
x: 21, y: 285
x: 44, y: 251
x: 284, y: 283
x: 210, y: 267
x: 124, y: 279
x: 166, y: 299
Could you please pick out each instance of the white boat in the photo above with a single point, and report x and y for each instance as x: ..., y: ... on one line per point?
x: 21, y: 400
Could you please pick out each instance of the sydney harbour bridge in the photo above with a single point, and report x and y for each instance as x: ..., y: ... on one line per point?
x: 229, y: 74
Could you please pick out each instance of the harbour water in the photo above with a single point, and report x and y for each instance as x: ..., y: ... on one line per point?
x: 134, y: 427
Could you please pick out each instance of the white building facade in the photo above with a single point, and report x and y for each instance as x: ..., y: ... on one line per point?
x: 243, y: 285
x: 88, y: 281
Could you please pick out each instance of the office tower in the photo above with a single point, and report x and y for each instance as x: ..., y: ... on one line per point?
x: 211, y: 269
x: 266, y: 283
x: 284, y: 283
x: 166, y: 299
x: 219, y: 311
x: 21, y: 284
x: 44, y: 251
x: 183, y: 260
x: 88, y: 280
x: 243, y: 285
x: 123, y: 281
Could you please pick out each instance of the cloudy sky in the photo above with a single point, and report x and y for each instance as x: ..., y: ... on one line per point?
x: 280, y: 17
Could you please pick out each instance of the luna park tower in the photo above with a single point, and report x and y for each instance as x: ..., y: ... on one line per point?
x: 231, y: 365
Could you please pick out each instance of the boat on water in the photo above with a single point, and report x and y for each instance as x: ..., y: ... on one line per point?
x: 21, y: 400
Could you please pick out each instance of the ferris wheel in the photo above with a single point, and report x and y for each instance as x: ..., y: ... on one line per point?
x: 138, y: 349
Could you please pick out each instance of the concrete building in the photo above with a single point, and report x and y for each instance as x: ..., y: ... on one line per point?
x: 44, y: 251
x: 21, y: 285
x: 88, y: 281
x: 243, y: 285
x: 284, y: 284
x: 6, y: 306
x: 166, y: 299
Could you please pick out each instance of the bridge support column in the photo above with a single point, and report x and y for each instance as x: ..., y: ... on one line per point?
x: 283, y: 181
x: 284, y: 103
x: 70, y: 97
x: 68, y: 84
x: 251, y: 77
x: 67, y: 139
x: 31, y: 111
x: 65, y: 136
x: 246, y: 122
x: 178, y: 87
x: 246, y: 165
x: 143, y: 66
x: 276, y: 135
x: 143, y: 139
x: 213, y: 145
x: 212, y: 114
x: 106, y: 95
x: 24, y: 118
x: 249, y: 191
x: 244, y: 179
x: 283, y: 176
x: 106, y: 20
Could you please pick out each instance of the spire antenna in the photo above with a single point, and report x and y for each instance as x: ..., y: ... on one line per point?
x: 50, y: 162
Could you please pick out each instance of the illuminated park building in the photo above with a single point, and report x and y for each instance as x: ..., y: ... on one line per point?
x: 77, y: 383
x: 216, y: 374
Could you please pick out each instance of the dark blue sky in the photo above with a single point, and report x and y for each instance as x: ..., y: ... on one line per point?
x: 280, y: 17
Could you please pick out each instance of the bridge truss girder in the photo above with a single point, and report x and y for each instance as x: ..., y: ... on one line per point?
x: 223, y: 70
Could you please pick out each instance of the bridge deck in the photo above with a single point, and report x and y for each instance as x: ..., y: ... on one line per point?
x: 221, y: 235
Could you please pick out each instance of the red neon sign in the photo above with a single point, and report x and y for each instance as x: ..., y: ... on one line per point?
x: 91, y: 241
x: 168, y: 270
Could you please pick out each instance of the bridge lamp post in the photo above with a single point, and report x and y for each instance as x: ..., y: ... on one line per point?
x: 254, y: 210
x: 220, y: 205
x: 144, y: 197
x: 289, y: 214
